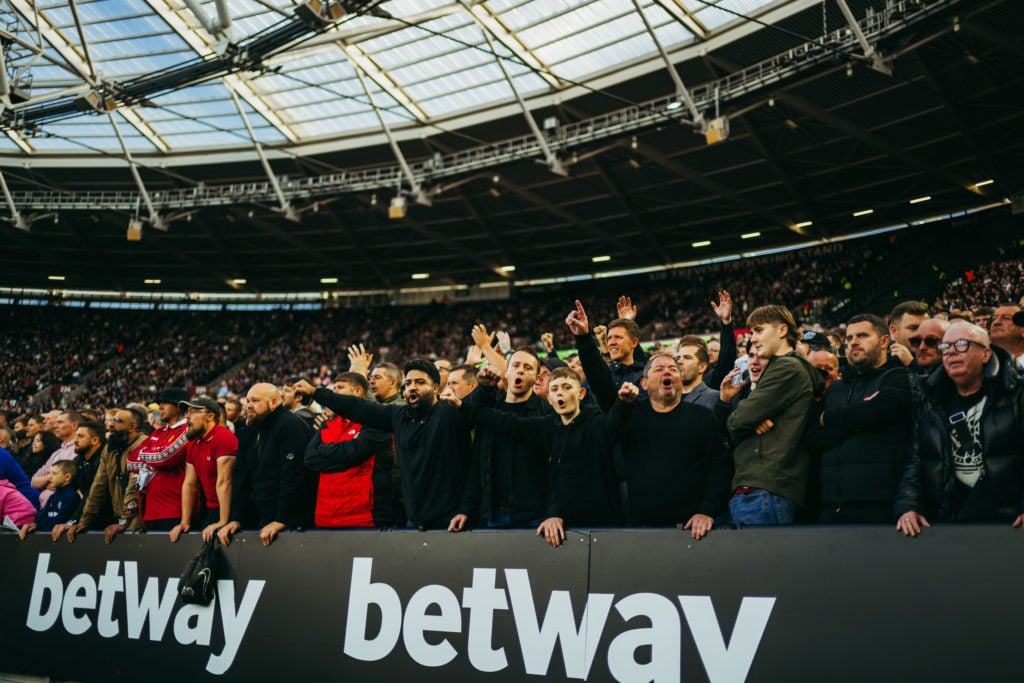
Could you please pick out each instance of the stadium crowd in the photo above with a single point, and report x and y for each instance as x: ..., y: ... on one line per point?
x: 910, y: 420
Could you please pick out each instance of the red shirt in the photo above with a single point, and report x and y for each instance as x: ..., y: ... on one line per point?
x: 204, y: 453
x: 159, y: 464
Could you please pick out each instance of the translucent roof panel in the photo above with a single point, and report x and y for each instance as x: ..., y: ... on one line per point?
x: 423, y: 61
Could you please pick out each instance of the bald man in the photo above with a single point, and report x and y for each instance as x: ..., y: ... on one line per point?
x: 270, y: 470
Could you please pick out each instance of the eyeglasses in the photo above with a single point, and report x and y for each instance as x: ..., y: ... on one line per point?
x: 930, y: 342
x: 961, y: 346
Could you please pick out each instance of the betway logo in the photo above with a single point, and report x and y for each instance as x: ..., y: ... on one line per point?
x: 85, y: 602
x: 537, y: 639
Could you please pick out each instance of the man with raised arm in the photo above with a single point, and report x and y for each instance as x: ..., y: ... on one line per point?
x: 432, y: 442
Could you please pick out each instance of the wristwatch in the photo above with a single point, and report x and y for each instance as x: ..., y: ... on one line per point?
x: 122, y: 521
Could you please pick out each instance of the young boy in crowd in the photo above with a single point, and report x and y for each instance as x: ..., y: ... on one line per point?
x: 61, y: 504
x: 583, y: 487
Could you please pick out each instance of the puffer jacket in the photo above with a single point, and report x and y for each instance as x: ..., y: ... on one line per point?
x: 865, y: 435
x: 929, y: 478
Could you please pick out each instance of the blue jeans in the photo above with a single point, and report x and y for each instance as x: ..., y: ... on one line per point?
x: 761, y: 508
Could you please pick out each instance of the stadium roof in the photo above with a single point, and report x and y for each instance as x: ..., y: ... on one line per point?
x: 509, y: 140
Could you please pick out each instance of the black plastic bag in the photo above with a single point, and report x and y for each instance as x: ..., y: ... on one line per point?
x: 198, y: 583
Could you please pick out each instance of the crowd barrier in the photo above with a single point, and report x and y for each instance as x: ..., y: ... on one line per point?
x: 790, y: 604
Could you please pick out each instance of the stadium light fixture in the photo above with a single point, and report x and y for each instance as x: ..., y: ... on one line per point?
x: 397, y: 208
x: 601, y: 259
x: 864, y: 212
x: 328, y: 280
x: 702, y: 243
x: 919, y: 200
x: 749, y: 235
x: 421, y: 276
x: 55, y: 278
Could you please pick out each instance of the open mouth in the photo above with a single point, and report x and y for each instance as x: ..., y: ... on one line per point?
x: 666, y: 383
x: 517, y: 382
x: 560, y: 403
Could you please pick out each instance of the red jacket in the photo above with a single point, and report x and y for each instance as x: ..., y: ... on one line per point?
x: 355, y: 475
x: 159, y: 465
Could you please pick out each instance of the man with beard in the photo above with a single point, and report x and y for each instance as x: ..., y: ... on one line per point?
x: 432, y: 442
x: 159, y: 465
x: 692, y: 357
x: 296, y: 402
x: 89, y: 442
x: 924, y: 345
x: 507, y: 482
x: 904, y: 319
x: 112, y: 504
x: 676, y: 465
x: 863, y: 429
x: 270, y: 469
x: 210, y: 454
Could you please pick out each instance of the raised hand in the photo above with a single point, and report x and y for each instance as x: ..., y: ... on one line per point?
x: 625, y: 308
x: 359, y: 359
x: 504, y: 341
x: 601, y: 334
x: 488, y: 375
x: 482, y: 338
x: 577, y: 320
x: 723, y: 309
x: 449, y: 397
x: 474, y: 355
x: 305, y: 388
x: 548, y: 339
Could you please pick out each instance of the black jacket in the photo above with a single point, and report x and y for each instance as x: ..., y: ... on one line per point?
x: 865, y: 436
x: 270, y: 472
x: 524, y: 467
x: 432, y: 447
x: 929, y: 478
x: 582, y: 486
